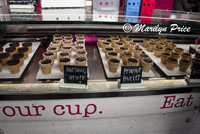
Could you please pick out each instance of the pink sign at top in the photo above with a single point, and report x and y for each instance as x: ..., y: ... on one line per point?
x: 164, y: 4
x: 147, y: 6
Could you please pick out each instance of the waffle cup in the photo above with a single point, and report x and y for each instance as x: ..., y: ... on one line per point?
x: 57, y: 36
x: 158, y: 51
x: 100, y: 41
x: 68, y: 39
x: 184, y: 65
x: 11, y: 51
x: 162, y: 39
x: 66, y: 49
x: 53, y: 50
x: 127, y: 41
x: 173, y: 46
x: 123, y: 38
x: 80, y: 39
x: 160, y: 44
x: 113, y: 65
x: 168, y: 50
x: 164, y: 56
x: 169, y: 43
x: 146, y: 43
x: 14, y: 66
x: 64, y: 55
x: 114, y: 40
x: 137, y: 53
x: 80, y: 61
x: 59, y: 40
x: 132, y: 62
x: 171, y: 63
x: 151, y: 47
x: 105, y: 45
x: 147, y: 64
x: 186, y: 56
x: 55, y: 44
x: 79, y: 43
x: 80, y: 36
x: 62, y: 62
x: 67, y: 36
x: 114, y: 36
x: 125, y: 57
x: 179, y: 50
x: 5, y: 57
x: 28, y: 45
x: 79, y: 48
x: 117, y: 46
x: 49, y: 55
x: 143, y: 56
x: 122, y: 50
x: 175, y: 55
x: 46, y: 66
x: 194, y: 61
x: 111, y: 55
x: 81, y: 54
x: 131, y: 47
x: 67, y: 43
x: 0, y: 66
x: 14, y: 44
x: 20, y: 57
x: 108, y: 49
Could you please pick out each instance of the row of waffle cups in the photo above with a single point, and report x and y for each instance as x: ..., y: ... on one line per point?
x: 64, y: 57
x: 130, y: 53
x: 68, y: 37
x: 14, y: 56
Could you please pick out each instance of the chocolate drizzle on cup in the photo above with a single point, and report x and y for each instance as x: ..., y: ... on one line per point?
x: 64, y: 60
x: 22, y: 49
x: 112, y: 53
x: 81, y: 59
x: 46, y: 61
x: 133, y: 60
x: 18, y: 56
x: 109, y: 49
x: 4, y: 55
x: 26, y: 44
x: 10, y: 49
x: 48, y: 54
x: 14, y: 44
x: 13, y: 62
x: 127, y: 54
x: 123, y: 48
x: 114, y: 60
x: 147, y: 60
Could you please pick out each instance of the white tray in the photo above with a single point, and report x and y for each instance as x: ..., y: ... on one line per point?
x: 6, y: 74
x: 55, y: 72
x: 174, y: 72
x: 118, y: 73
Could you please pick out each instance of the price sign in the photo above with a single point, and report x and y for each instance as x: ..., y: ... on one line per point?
x: 75, y: 74
x: 195, y: 74
x: 131, y: 74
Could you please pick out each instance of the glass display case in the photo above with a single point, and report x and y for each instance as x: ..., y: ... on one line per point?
x: 40, y: 27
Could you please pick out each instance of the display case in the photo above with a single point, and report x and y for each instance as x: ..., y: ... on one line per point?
x: 168, y: 99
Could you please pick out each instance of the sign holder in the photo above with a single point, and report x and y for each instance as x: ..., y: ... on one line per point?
x: 131, y: 86
x: 131, y: 78
x: 68, y: 86
x: 75, y: 77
